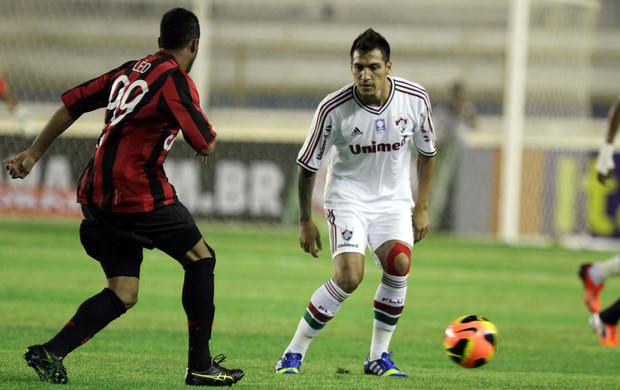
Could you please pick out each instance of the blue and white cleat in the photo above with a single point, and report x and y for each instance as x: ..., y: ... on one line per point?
x: 290, y: 364
x: 383, y: 367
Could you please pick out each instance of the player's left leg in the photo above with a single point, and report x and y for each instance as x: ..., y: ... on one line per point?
x: 395, y: 257
x: 391, y: 239
x: 198, y: 259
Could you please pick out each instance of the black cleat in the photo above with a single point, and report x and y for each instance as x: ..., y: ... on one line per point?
x: 216, y: 375
x: 47, y: 365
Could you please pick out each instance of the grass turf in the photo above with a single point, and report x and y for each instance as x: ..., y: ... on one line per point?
x: 263, y: 283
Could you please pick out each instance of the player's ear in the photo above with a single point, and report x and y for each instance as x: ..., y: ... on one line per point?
x: 194, y: 45
x: 388, y: 67
x: 159, y: 42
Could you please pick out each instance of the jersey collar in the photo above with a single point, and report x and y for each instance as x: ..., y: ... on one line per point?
x: 375, y: 110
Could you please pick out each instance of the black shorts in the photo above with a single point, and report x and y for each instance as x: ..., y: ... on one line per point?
x: 116, y: 240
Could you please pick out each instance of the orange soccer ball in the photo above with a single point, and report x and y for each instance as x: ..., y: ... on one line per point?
x: 470, y: 341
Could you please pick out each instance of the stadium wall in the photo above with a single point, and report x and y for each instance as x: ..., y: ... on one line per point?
x: 243, y: 181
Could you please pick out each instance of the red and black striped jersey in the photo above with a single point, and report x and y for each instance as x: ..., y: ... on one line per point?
x: 147, y: 102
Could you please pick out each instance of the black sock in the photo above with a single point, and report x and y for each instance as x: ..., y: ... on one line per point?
x: 611, y: 315
x: 198, y: 289
x: 93, y: 315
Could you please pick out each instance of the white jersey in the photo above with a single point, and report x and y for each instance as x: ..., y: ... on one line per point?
x: 371, y: 157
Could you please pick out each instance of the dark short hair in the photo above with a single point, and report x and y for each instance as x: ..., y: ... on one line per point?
x: 178, y: 28
x: 370, y: 40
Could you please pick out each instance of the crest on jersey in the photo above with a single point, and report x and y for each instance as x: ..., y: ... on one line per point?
x: 380, y: 126
x: 347, y: 234
x: 403, y: 123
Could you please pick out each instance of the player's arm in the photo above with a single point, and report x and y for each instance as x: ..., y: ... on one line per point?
x: 420, y: 219
x: 309, y: 236
x: 605, y: 161
x: 182, y: 103
x: 21, y: 165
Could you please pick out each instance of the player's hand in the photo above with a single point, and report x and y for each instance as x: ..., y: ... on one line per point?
x: 204, y: 158
x: 605, y: 163
x: 420, y: 222
x: 310, y: 238
x: 19, y: 166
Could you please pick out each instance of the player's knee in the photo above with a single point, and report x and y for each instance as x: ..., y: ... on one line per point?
x: 126, y: 292
x: 398, y: 261
x: 128, y: 299
x: 129, y: 303
x: 348, y: 281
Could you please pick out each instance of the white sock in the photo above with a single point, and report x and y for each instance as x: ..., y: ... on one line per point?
x: 323, y: 306
x: 388, y: 306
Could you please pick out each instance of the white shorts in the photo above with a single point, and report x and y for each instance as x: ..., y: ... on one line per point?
x: 352, y: 230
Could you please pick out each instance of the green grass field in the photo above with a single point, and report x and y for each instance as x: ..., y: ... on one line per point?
x: 263, y: 283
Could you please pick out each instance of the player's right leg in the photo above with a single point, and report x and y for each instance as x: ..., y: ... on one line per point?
x: 347, y: 243
x: 322, y: 308
x: 117, y: 257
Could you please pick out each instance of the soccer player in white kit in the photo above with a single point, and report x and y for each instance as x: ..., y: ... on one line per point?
x: 368, y: 126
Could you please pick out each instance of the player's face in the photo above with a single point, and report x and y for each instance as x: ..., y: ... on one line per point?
x: 370, y: 73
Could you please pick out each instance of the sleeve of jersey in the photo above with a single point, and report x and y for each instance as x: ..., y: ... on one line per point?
x: 89, y: 96
x: 317, y: 143
x: 182, y: 101
x: 424, y: 138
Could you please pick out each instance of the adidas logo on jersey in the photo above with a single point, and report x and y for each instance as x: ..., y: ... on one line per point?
x: 356, y: 132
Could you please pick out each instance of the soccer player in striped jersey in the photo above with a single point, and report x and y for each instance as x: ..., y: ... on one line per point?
x: 127, y: 201
x: 368, y: 126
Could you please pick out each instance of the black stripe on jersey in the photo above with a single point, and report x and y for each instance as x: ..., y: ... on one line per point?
x: 317, y: 132
x: 184, y: 91
x: 112, y: 141
x: 157, y: 189
x: 87, y: 175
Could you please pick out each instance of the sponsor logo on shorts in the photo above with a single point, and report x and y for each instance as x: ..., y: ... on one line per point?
x: 347, y: 234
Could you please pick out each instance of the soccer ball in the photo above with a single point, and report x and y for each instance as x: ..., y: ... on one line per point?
x: 470, y: 341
